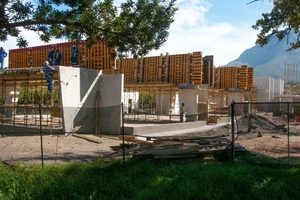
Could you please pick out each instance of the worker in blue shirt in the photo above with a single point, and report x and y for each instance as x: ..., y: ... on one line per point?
x: 46, y: 70
x: 74, y: 55
x: 3, y: 55
x: 51, y: 57
x: 58, y: 57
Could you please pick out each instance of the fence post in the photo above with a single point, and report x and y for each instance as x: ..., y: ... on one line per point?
x: 288, y: 129
x: 123, y: 135
x: 232, y: 130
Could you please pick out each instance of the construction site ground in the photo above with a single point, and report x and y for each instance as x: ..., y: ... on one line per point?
x: 59, y: 148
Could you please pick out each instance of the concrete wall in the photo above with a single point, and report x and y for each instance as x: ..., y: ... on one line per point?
x: 265, y: 84
x: 236, y: 95
x: 90, y: 98
x: 282, y: 108
x: 265, y: 92
x: 278, y: 87
x: 190, y: 98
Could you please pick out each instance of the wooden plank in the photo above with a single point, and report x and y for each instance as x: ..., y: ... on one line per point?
x: 87, y: 138
x: 133, y: 139
x: 175, y: 156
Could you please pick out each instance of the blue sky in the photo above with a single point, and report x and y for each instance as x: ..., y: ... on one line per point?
x: 221, y: 28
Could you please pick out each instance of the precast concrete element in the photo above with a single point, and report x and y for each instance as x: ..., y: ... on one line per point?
x: 161, y: 129
x: 90, y: 100
x: 189, y: 96
x: 236, y: 95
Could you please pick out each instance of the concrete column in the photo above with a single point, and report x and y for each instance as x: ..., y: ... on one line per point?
x: 190, y: 99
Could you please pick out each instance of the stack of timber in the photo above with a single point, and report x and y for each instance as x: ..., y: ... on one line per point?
x: 171, y: 147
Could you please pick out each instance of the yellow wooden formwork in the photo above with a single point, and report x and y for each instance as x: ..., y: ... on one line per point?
x: 196, y: 68
x: 96, y: 57
x: 151, y: 65
x: 138, y: 72
x: 164, y: 76
x: 217, y: 77
x: 250, y: 78
x: 242, y: 77
x: 178, y: 67
x: 127, y: 67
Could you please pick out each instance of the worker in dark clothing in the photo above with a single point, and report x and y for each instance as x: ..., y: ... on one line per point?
x: 46, y: 70
x: 51, y: 57
x: 182, y: 113
x: 74, y: 56
x: 58, y: 57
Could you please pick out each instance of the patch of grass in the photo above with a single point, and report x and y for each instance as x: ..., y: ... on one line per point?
x: 144, y: 180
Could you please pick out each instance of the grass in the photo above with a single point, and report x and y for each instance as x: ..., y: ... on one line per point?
x: 147, y: 180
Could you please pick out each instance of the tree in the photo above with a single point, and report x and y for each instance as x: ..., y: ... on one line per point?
x: 280, y: 22
x: 136, y: 27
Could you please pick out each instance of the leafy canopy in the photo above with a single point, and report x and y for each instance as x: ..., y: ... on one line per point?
x: 280, y: 22
x: 135, y: 27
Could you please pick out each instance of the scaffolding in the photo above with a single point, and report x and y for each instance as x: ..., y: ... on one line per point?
x: 26, y: 101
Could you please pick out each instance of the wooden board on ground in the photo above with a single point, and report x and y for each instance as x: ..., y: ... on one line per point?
x: 87, y: 138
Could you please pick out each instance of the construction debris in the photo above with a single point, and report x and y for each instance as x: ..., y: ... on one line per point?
x: 172, y: 147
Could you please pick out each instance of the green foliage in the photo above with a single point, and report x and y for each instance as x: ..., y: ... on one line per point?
x: 147, y: 100
x: 134, y: 28
x: 2, y: 100
x: 145, y: 180
x: 282, y: 20
x: 30, y: 96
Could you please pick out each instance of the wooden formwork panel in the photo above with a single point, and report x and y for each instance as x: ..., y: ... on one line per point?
x: 164, y: 69
x: 228, y: 77
x: 250, y: 78
x: 139, y: 71
x: 127, y: 67
x: 96, y: 57
x: 151, y: 65
x: 178, y: 68
x: 242, y: 77
x: 217, y: 77
x: 196, y: 68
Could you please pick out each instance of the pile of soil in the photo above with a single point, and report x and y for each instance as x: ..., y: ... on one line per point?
x: 251, y: 120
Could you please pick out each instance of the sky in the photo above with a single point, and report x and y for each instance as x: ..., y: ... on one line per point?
x: 221, y: 28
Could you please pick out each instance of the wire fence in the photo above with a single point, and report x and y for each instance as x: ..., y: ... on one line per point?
x: 270, y: 129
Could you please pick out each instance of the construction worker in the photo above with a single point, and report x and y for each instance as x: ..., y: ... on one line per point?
x: 58, y: 57
x: 51, y: 57
x: 46, y: 70
x: 3, y: 55
x: 74, y: 56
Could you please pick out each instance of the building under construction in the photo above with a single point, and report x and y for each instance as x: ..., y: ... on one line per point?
x: 169, y: 80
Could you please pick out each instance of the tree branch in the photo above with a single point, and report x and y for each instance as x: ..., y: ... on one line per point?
x: 33, y: 22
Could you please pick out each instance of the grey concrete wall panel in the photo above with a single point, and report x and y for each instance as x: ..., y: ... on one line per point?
x: 79, y: 88
x: 111, y: 92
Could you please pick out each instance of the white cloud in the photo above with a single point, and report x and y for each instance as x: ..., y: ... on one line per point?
x: 190, y: 33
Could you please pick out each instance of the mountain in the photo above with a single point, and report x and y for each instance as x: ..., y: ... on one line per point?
x: 272, y: 59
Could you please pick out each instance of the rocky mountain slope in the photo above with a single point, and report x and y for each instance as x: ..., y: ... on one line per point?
x: 271, y: 59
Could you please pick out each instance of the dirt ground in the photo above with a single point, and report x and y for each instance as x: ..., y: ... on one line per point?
x: 60, y: 149
x: 57, y: 149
